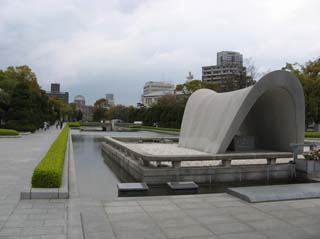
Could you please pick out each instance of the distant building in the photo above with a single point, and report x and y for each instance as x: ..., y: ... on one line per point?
x: 189, y: 77
x: 110, y: 99
x: 153, y: 98
x: 153, y: 90
x: 56, y: 93
x: 80, y: 103
x: 229, y: 72
x: 227, y: 58
x: 153, y: 86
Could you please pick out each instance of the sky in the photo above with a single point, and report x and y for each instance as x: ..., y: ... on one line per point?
x: 115, y: 46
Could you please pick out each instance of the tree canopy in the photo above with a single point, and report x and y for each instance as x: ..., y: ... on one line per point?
x: 24, y: 106
x: 309, y: 76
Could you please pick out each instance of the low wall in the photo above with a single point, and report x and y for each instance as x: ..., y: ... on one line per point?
x: 205, y: 174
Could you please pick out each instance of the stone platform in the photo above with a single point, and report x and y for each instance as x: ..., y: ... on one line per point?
x: 277, y: 192
x: 159, y: 163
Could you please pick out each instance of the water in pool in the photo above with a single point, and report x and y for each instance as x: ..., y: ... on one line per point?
x: 97, y: 177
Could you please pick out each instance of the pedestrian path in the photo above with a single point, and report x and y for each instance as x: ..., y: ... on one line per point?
x: 25, y: 218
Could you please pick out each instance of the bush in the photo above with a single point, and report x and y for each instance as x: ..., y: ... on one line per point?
x: 12, y: 124
x: 155, y: 128
x: 48, y: 173
x: 312, y: 134
x: 8, y: 132
x: 74, y: 124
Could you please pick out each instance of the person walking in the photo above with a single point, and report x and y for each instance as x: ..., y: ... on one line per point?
x: 57, y: 124
x: 61, y: 124
x: 45, y: 125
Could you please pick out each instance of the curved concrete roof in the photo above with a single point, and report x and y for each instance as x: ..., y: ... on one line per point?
x: 272, y: 111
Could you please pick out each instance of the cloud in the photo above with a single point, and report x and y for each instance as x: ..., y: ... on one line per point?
x: 96, y: 47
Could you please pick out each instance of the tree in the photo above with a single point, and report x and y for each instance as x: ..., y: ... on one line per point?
x: 79, y: 115
x: 309, y: 76
x: 21, y: 115
x: 191, y: 86
x: 118, y: 112
x: 4, y: 105
x: 100, y: 110
x: 23, y: 104
x: 167, y: 112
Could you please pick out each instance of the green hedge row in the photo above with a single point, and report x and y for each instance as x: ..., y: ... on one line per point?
x: 48, y: 173
x: 8, y: 132
x: 156, y: 128
x: 312, y: 134
x: 74, y: 124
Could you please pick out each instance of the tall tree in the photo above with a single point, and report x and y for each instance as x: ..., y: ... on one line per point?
x: 309, y: 76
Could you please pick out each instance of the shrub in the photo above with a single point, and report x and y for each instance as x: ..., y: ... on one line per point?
x: 13, y: 124
x: 48, y: 173
x: 74, y: 124
x: 8, y: 132
x: 155, y: 128
x: 312, y: 134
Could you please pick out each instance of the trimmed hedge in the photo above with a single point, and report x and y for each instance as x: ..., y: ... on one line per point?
x: 48, y: 173
x: 312, y: 134
x: 8, y: 132
x: 74, y: 124
x: 155, y: 128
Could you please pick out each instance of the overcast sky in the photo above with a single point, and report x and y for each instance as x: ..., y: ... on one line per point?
x: 114, y: 46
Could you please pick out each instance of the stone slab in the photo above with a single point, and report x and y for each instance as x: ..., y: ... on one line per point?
x: 190, y: 185
x: 44, y: 193
x: 126, y: 187
x: 277, y: 192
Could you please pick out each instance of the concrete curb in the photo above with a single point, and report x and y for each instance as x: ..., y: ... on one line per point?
x: 52, y: 193
x: 9, y: 136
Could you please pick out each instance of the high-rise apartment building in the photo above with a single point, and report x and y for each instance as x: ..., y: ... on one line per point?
x: 227, y: 58
x: 229, y: 72
x: 56, y: 93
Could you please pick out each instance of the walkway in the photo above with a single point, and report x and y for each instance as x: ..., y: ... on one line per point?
x: 27, y: 219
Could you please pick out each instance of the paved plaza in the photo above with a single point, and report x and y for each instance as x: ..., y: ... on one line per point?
x: 190, y: 216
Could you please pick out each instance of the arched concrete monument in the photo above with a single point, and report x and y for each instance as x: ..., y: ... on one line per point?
x: 271, y: 112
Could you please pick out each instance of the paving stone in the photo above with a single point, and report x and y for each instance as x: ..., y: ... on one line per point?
x: 234, y: 227
x: 211, y: 220
x: 287, y: 214
x: 115, y: 217
x: 302, y: 221
x: 130, y: 209
x: 100, y: 235
x: 190, y: 231
x: 43, y: 230
x: 270, y: 224
x: 10, y: 231
x: 173, y: 222
x: 245, y: 235
x: 62, y: 236
x: 141, y: 234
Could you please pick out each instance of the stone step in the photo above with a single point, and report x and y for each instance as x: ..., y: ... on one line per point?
x: 277, y: 192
